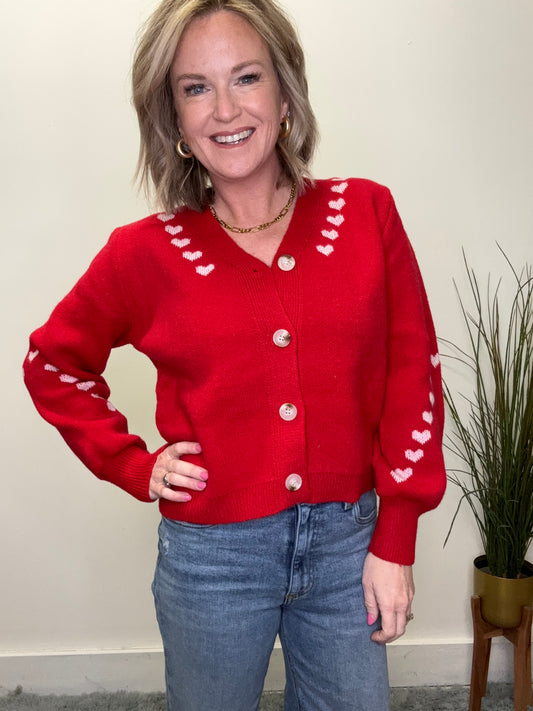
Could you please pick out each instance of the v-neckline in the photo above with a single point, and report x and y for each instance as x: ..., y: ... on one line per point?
x: 301, y: 226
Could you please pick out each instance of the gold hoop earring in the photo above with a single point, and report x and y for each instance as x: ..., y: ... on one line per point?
x: 285, y: 127
x: 183, y: 150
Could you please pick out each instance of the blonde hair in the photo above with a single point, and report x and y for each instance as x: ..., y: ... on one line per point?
x: 178, y: 182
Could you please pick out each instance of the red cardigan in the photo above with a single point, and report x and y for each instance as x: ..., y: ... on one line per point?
x: 312, y: 380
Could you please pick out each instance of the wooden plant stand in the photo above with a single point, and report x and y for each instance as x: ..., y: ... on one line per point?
x: 520, y: 637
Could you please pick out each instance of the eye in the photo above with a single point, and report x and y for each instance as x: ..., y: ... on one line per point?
x: 194, y: 89
x: 249, y: 79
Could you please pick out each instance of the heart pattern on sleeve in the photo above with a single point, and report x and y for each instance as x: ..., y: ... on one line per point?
x: 421, y: 437
x: 83, y: 386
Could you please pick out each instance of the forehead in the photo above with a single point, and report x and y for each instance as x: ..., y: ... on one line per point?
x: 217, y: 37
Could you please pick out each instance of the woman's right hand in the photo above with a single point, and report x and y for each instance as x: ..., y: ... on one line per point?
x: 170, y: 471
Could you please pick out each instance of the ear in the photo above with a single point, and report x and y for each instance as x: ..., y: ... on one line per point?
x: 284, y: 109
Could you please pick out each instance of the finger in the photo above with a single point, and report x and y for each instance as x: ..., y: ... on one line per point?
x: 184, y: 474
x: 178, y: 449
x: 176, y: 495
x: 371, y: 603
x: 161, y: 490
x: 372, y: 609
x: 389, y: 629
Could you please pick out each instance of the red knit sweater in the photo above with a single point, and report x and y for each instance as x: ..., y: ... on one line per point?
x: 323, y: 366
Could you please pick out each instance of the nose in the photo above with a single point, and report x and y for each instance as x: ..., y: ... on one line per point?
x: 226, y: 105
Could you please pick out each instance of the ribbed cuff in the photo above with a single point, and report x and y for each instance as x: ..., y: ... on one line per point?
x: 131, y: 470
x: 394, y: 537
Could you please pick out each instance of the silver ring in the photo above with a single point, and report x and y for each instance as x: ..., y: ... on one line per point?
x: 166, y: 482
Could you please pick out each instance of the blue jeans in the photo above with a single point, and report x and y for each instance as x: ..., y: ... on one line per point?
x: 224, y: 592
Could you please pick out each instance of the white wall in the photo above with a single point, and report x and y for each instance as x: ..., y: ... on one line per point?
x: 431, y: 97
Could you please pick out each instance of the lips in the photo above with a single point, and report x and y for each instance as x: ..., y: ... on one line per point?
x: 233, y: 139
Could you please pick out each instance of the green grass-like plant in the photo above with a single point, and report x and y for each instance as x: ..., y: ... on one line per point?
x: 492, y: 427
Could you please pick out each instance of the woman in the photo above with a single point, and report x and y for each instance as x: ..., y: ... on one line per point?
x: 297, y: 374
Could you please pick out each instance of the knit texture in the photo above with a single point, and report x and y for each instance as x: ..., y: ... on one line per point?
x: 324, y: 365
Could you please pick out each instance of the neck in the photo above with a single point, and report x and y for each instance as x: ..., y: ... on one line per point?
x: 248, y: 203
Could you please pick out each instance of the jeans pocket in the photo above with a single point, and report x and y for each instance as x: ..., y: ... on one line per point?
x: 365, y: 510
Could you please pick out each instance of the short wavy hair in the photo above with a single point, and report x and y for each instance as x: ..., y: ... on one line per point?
x: 185, y: 183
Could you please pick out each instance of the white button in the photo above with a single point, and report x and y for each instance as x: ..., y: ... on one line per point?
x: 288, y: 411
x: 293, y: 482
x: 282, y: 338
x: 286, y: 262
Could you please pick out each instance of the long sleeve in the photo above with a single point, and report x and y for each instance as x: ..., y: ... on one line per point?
x: 63, y: 372
x: 408, y: 463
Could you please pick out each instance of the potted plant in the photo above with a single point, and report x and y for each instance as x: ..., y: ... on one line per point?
x: 492, y: 436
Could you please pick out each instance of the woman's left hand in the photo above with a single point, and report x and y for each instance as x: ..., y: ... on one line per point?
x: 389, y: 590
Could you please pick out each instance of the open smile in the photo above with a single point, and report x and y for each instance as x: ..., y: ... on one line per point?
x: 233, y: 139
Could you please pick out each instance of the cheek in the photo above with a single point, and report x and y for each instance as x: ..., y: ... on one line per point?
x: 186, y: 119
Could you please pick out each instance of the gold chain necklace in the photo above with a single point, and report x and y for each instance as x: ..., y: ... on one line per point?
x: 258, y: 228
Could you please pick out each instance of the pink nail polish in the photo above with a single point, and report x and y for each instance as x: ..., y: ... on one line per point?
x: 370, y: 619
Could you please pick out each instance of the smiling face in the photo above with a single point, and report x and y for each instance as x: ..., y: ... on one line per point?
x: 227, y: 97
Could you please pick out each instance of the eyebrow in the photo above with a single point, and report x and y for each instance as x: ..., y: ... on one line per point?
x: 237, y: 68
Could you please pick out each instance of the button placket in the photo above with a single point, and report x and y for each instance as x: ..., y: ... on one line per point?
x: 286, y: 364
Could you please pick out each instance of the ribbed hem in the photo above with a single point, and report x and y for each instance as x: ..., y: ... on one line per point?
x: 395, y: 533
x: 264, y: 499
x: 131, y: 470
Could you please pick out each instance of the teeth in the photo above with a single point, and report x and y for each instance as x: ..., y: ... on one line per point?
x: 236, y: 138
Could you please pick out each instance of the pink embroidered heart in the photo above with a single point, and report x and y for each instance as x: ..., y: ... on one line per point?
x: 67, y: 378
x: 427, y: 417
x: 192, y: 256
x: 204, y: 271
x: 51, y: 368
x: 431, y: 399
x: 330, y: 234
x: 435, y: 360
x: 165, y: 217
x: 110, y: 405
x: 340, y: 188
x: 32, y: 355
x: 87, y: 385
x: 181, y: 242
x: 414, y: 456
x: 337, y: 204
x: 401, y: 475
x: 326, y: 249
x: 421, y: 437
x: 336, y: 220
x: 173, y: 230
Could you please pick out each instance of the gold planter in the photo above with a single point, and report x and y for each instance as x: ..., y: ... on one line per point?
x: 502, y: 599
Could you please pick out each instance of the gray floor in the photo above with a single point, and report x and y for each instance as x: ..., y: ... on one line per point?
x: 452, y: 698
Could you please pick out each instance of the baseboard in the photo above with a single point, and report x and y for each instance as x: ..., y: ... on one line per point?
x: 436, y: 664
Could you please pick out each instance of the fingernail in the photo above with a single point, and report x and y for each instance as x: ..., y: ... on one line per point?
x: 204, y: 475
x: 201, y: 485
x: 371, y: 619
x: 198, y: 448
